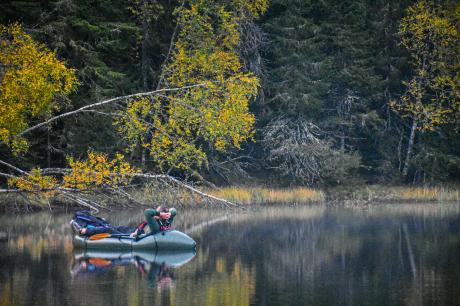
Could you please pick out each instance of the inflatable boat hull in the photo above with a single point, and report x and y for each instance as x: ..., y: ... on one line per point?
x: 166, y: 240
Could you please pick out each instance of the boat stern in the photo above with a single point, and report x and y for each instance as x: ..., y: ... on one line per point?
x: 174, y: 240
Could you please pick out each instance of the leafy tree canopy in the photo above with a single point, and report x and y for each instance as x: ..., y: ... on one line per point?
x: 179, y: 127
x: 431, y: 34
x: 32, y: 79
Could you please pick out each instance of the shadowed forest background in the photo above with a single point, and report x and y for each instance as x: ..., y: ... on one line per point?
x: 331, y: 73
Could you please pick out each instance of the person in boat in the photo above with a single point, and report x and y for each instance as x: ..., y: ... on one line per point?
x: 159, y: 219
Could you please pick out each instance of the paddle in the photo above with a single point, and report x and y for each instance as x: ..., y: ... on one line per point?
x: 105, y: 235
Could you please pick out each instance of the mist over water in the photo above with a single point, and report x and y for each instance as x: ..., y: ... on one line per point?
x: 383, y: 255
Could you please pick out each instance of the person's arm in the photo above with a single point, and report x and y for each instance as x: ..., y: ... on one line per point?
x: 149, y: 213
x: 173, y: 213
x: 150, y: 216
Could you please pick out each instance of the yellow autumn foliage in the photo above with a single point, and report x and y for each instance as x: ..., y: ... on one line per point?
x: 31, y: 78
x: 34, y: 181
x: 431, y: 34
x: 177, y: 128
x: 97, y: 171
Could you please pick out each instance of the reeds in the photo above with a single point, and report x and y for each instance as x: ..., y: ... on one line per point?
x: 158, y: 194
x: 429, y: 194
x: 258, y: 195
x: 388, y: 194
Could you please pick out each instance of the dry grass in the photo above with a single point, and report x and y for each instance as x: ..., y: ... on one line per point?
x: 298, y: 195
x: 157, y: 194
x: 428, y: 194
x: 379, y: 194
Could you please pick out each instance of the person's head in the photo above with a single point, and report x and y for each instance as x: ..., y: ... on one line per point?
x: 163, y: 209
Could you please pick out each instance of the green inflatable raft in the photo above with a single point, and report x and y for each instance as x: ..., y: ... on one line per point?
x: 170, y: 240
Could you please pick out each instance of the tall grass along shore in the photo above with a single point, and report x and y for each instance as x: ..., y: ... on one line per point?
x: 259, y: 195
x: 154, y: 194
x: 394, y: 194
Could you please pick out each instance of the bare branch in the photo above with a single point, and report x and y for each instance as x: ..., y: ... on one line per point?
x: 125, y: 194
x: 54, y: 171
x: 7, y: 175
x: 186, y: 186
x: 168, y: 55
x: 101, y: 113
x: 142, y: 175
x: 11, y: 190
x: 81, y: 201
x: 86, y: 107
x: 13, y: 167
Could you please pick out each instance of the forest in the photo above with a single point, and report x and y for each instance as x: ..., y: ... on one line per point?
x: 229, y: 93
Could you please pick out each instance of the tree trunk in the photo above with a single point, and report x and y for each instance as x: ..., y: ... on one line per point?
x: 144, y: 46
x: 48, y: 147
x: 144, y: 67
x: 410, y: 147
x: 143, y: 158
x: 342, y: 141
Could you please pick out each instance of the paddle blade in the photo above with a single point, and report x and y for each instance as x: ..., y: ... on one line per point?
x: 99, y: 236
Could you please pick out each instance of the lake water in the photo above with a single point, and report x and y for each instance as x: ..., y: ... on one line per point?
x: 383, y: 255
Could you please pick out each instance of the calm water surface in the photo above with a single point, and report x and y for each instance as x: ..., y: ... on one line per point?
x: 385, y: 255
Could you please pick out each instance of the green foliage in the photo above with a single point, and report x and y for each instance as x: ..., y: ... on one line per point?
x: 336, y: 64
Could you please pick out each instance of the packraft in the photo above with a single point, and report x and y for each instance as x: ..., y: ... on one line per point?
x: 100, y: 235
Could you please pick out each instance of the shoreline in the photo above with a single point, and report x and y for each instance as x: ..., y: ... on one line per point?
x: 245, y: 197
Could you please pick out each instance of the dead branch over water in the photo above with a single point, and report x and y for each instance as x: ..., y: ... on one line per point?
x: 90, y: 106
x: 124, y: 196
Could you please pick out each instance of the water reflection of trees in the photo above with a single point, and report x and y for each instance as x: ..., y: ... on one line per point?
x: 390, y: 255
x: 34, y: 234
x: 335, y: 258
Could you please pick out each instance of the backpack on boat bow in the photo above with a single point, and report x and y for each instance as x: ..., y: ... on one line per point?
x: 93, y: 224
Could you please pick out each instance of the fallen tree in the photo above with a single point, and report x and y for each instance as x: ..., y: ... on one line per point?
x: 55, y: 183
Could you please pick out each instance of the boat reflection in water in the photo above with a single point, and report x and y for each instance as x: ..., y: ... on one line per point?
x: 155, y: 267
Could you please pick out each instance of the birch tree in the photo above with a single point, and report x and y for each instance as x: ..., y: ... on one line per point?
x: 178, y: 128
x: 431, y: 35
